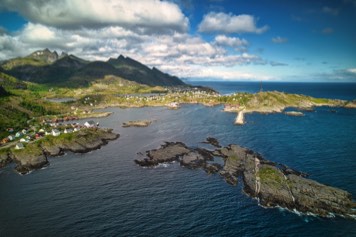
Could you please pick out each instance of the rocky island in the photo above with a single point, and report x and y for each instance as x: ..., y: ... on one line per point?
x: 137, y: 123
x: 271, y: 183
x: 34, y: 155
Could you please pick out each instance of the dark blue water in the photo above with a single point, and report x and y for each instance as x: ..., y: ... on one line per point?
x: 103, y: 193
x: 346, y: 91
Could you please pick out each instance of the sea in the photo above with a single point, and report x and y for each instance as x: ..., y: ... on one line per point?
x: 104, y: 193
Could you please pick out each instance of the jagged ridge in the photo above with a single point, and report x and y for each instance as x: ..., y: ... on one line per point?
x: 47, y: 67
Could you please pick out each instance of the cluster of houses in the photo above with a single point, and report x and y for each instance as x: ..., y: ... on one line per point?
x: 174, y: 93
x: 27, y: 135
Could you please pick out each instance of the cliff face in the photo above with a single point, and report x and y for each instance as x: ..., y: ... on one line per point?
x: 273, y: 184
x: 34, y: 155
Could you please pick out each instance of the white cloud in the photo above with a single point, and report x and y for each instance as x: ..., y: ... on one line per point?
x: 183, y: 49
x: 148, y: 15
x: 10, y: 47
x: 233, y: 42
x: 351, y: 70
x: 34, y: 33
x: 180, y: 54
x: 216, y: 72
x: 344, y: 75
x: 279, y: 40
x: 229, y: 23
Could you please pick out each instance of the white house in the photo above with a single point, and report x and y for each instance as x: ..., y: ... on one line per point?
x: 24, y: 140
x: 19, y: 146
x: 56, y: 132
x: 18, y: 134
x: 48, y: 133
x: 89, y: 124
x: 11, y: 137
x: 68, y: 130
x: 24, y: 131
x: 76, y: 129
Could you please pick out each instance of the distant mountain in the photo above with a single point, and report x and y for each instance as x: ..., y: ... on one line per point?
x: 37, y: 58
x: 45, y: 56
x: 47, y: 67
x: 58, y: 72
x: 135, y: 71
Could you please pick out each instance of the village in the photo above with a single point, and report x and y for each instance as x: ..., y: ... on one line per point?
x: 54, y: 127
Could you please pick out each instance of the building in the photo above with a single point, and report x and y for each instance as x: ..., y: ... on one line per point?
x: 90, y: 124
x: 38, y: 135
x: 11, y: 137
x: 5, y: 140
x: 18, y: 134
x: 56, y: 132
x: 24, y: 140
x: 19, y: 146
x: 68, y: 130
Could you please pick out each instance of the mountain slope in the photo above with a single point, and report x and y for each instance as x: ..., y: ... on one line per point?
x: 37, y: 58
x: 133, y: 70
x: 47, y: 67
x: 58, y: 72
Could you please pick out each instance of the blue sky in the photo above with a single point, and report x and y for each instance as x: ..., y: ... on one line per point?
x: 277, y: 40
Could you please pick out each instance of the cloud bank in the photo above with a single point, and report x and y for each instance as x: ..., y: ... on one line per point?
x: 150, y: 15
x: 154, y: 32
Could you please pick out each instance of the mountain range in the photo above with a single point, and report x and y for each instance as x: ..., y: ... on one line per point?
x: 46, y: 67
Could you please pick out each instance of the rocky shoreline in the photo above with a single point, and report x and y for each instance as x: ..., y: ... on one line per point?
x: 273, y: 184
x: 35, y: 155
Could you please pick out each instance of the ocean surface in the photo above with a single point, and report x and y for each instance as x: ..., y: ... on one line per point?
x: 104, y: 193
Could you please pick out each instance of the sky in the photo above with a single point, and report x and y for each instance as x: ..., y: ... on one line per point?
x: 269, y: 40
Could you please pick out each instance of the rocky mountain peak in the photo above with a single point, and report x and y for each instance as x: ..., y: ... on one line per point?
x: 45, y: 55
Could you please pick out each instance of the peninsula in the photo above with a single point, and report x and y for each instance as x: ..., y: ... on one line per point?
x: 34, y: 154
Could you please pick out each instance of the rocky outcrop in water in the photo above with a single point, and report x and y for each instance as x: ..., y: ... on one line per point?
x: 276, y: 185
x: 34, y: 155
x: 137, y: 123
x: 271, y: 183
x: 212, y: 141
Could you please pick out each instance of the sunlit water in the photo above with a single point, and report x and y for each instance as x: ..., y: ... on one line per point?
x: 104, y: 193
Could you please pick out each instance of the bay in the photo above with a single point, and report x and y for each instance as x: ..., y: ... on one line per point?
x: 104, y: 193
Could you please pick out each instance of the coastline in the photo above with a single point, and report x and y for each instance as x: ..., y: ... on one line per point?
x: 34, y: 155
